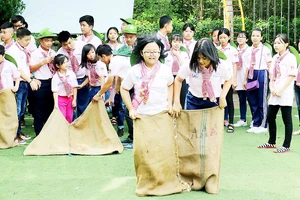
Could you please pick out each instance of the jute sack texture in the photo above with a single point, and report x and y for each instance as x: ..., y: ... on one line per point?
x: 8, y: 119
x: 90, y: 134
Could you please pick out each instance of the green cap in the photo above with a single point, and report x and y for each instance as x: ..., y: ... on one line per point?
x: 128, y: 21
x: 46, y: 33
x: 132, y: 29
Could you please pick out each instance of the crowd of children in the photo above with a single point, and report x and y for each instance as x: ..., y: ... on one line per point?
x: 193, y: 76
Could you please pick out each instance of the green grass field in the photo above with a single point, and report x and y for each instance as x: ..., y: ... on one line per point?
x: 247, y: 173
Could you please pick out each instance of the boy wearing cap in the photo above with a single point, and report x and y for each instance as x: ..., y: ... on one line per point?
x: 43, y: 68
x: 165, y: 28
x: 125, y: 22
x: 86, y: 26
x: 73, y: 50
x: 130, y: 35
x: 7, y: 33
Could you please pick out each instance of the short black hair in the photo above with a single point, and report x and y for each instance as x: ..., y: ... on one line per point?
x: 2, y: 50
x: 63, y: 36
x: 188, y: 25
x: 176, y: 37
x: 164, y: 20
x: 17, y: 18
x: 88, y: 19
x: 6, y: 25
x: 22, y: 32
x: 59, y: 59
x: 104, y: 49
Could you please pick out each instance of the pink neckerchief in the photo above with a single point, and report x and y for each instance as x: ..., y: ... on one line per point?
x: 188, y: 45
x: 50, y: 64
x: 207, y: 89
x: 93, y: 74
x: 147, y: 80
x: 276, y: 70
x: 176, y: 63
x: 26, y: 51
x: 1, y: 69
x: 114, y: 46
x: 87, y: 39
x: 166, y: 40
x: 74, y: 61
x: 240, y: 54
x: 64, y: 79
x: 7, y: 46
x: 253, y: 60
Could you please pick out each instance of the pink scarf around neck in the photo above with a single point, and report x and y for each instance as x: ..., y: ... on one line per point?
x: 240, y: 54
x: 176, y: 63
x: 26, y: 51
x: 74, y: 61
x: 93, y: 74
x: 67, y: 86
x: 51, y: 64
x: 253, y: 61
x: 207, y: 89
x: 276, y: 70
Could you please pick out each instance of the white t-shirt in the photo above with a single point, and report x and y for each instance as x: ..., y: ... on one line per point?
x: 57, y: 85
x: 241, y: 72
x: 92, y: 39
x: 9, y: 74
x: 169, y: 59
x: 265, y: 58
x: 231, y: 54
x: 195, y: 79
x: 158, y: 90
x: 288, y: 67
x: 119, y: 66
x: 101, y: 70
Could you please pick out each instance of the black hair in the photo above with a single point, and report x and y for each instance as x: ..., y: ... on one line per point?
x: 176, y: 37
x: 63, y: 36
x: 164, y: 20
x: 59, y: 59
x: 140, y: 44
x: 2, y: 50
x: 22, y: 32
x: 205, y: 47
x: 225, y: 31
x: 88, y: 19
x: 244, y: 33
x: 283, y: 38
x: 6, y: 25
x: 85, y: 50
x: 114, y: 28
x: 214, y: 30
x: 191, y: 26
x: 259, y: 30
x: 17, y: 18
x: 104, y: 49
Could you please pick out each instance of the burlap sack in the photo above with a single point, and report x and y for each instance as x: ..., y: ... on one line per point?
x: 93, y: 134
x: 8, y: 119
x: 90, y: 134
x: 155, y: 159
x: 200, y: 139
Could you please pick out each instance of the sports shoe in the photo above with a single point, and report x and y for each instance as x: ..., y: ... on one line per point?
x: 281, y: 150
x: 296, y: 132
x: 129, y: 146
x: 267, y: 146
x: 126, y: 141
x: 251, y: 130
x: 240, y: 123
x: 24, y: 137
x: 251, y: 124
x: 260, y: 130
x: 20, y: 140
x: 120, y: 132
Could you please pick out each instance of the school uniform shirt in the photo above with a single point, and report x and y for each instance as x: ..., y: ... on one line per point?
x: 231, y: 54
x: 92, y: 39
x: 115, y: 46
x: 9, y: 74
x: 100, y: 69
x: 265, y: 58
x: 78, y: 46
x: 240, y: 75
x: 32, y: 45
x: 164, y: 39
x: 158, y: 89
x: 288, y: 67
x: 195, y: 79
x: 169, y: 59
x: 119, y: 66
x: 20, y: 58
x: 122, y: 39
x: 189, y: 45
x: 57, y: 85
x: 43, y: 73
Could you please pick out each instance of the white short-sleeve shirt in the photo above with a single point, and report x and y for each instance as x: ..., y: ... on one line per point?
x: 169, y: 59
x: 92, y: 39
x: 119, y: 66
x: 9, y: 74
x: 101, y: 70
x: 57, y: 85
x: 265, y: 56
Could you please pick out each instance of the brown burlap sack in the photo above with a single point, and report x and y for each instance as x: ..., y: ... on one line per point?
x: 93, y: 134
x: 8, y: 119
x: 155, y: 159
x: 90, y: 134
x: 200, y: 139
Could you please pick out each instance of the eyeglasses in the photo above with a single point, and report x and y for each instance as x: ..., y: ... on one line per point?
x: 148, y: 53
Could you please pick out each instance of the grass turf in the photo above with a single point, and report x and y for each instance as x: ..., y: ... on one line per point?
x: 247, y: 173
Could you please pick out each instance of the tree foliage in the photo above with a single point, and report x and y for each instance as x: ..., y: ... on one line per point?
x: 8, y: 8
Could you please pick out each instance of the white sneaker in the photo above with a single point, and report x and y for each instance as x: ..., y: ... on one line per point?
x: 251, y: 124
x: 261, y: 130
x: 240, y: 123
x: 251, y: 130
x: 296, y: 132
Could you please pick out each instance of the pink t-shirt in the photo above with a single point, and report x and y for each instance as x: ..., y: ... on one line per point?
x: 92, y: 39
x: 101, y: 70
x: 158, y: 90
x: 20, y: 58
x: 119, y: 66
x: 57, y: 85
x: 288, y: 67
x: 265, y: 58
x: 195, y: 79
x: 78, y: 45
x: 43, y: 73
x: 9, y: 74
